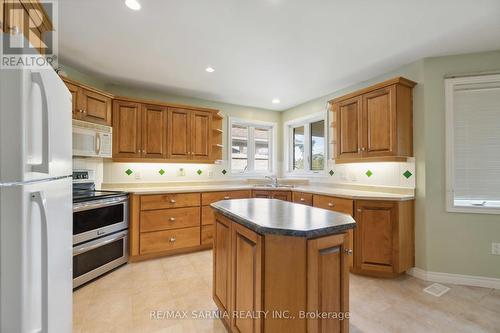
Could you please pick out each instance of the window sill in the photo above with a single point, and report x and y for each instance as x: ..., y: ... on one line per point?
x: 318, y: 174
x: 473, y: 207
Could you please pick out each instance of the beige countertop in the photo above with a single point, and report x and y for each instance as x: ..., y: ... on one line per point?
x: 323, y: 190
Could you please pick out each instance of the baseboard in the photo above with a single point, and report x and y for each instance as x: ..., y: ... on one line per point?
x: 466, y: 280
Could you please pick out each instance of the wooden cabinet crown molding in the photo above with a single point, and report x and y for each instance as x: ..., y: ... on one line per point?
x: 397, y: 80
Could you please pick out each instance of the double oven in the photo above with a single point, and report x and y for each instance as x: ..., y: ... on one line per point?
x: 100, y: 230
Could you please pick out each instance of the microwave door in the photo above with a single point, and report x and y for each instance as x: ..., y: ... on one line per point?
x: 85, y: 142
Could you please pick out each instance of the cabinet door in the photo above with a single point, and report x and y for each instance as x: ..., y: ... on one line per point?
x: 379, y: 122
x: 201, y: 135
x: 126, y: 129
x: 246, y: 279
x: 222, y: 264
x: 154, y: 131
x: 73, y: 89
x: 282, y: 195
x: 376, y: 224
x: 327, y: 283
x: 179, y: 129
x: 96, y: 107
x: 348, y: 128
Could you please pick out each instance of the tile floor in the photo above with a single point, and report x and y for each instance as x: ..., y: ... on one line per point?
x: 122, y: 301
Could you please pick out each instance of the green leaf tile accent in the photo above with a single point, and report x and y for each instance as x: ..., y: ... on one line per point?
x: 161, y: 172
x: 128, y: 172
x: 224, y: 171
x: 199, y: 172
x: 407, y: 174
x: 331, y: 172
x: 369, y: 173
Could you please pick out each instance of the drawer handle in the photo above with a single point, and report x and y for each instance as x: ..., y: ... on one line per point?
x: 348, y: 252
x: 359, y: 210
x: 172, y: 219
x: 302, y: 199
x: 172, y: 201
x: 227, y: 198
x: 331, y: 204
x: 172, y: 240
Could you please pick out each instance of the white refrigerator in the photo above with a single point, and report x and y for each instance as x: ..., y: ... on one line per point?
x: 35, y: 202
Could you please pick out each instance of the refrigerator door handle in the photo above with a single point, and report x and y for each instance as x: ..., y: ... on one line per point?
x: 36, y: 77
x: 39, y: 199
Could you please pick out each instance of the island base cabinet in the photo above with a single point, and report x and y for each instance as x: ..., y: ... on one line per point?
x: 290, y: 279
x: 246, y: 279
x: 328, y: 284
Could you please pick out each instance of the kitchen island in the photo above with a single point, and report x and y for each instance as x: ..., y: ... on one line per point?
x: 281, y: 267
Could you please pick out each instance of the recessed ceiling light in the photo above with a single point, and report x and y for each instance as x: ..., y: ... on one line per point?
x: 210, y: 69
x: 133, y: 4
x: 276, y: 101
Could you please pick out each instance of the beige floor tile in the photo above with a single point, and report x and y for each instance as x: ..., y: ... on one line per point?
x: 124, y: 300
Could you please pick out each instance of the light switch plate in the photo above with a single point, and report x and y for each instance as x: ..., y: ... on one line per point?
x: 137, y: 175
x: 495, y: 248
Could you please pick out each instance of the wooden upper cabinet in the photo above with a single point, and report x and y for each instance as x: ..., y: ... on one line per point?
x: 126, y: 129
x: 347, y: 129
x: 89, y: 104
x: 379, y: 122
x: 95, y: 107
x: 375, y: 123
x: 154, y: 131
x: 201, y: 127
x: 179, y: 130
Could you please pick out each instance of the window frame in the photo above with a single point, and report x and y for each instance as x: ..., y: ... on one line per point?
x: 252, y: 124
x: 450, y: 84
x: 289, y: 139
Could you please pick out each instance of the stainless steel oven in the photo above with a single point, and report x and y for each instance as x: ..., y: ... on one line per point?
x: 94, y: 258
x: 96, y: 218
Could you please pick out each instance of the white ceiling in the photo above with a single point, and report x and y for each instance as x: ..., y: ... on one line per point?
x: 295, y: 50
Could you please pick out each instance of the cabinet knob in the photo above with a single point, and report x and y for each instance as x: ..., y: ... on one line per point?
x: 172, y: 201
x: 363, y: 149
x: 227, y: 198
x: 302, y: 199
x: 331, y: 204
x: 172, y: 240
x: 172, y: 219
x: 359, y: 210
x: 348, y: 252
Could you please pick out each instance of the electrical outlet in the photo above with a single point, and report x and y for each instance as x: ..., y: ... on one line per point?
x: 210, y: 174
x: 495, y: 248
x: 137, y: 175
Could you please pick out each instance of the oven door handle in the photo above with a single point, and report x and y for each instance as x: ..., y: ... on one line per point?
x: 79, y: 207
x: 84, y: 249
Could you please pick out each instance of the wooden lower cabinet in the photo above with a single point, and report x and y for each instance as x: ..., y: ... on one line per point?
x: 160, y: 241
x: 281, y: 275
x: 269, y: 194
x: 384, y: 237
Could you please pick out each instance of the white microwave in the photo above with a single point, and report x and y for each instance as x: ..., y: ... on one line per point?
x: 92, y: 140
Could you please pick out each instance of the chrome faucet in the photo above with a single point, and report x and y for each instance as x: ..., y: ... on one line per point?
x: 274, y: 180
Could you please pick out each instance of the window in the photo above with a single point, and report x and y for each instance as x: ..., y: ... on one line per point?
x: 307, y: 144
x: 473, y: 144
x: 251, y: 146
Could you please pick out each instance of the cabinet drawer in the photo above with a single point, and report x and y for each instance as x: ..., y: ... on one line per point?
x: 207, y: 234
x: 164, y: 219
x: 170, y: 200
x: 209, y: 197
x: 159, y: 241
x: 332, y: 203
x: 207, y: 215
x: 303, y: 198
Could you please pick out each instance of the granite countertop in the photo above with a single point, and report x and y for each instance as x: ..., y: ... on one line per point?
x: 271, y: 216
x: 323, y: 190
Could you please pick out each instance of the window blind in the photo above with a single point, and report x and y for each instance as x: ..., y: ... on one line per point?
x: 476, y: 141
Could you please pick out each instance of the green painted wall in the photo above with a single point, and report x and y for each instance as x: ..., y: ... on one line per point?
x: 456, y: 242
x: 445, y: 242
